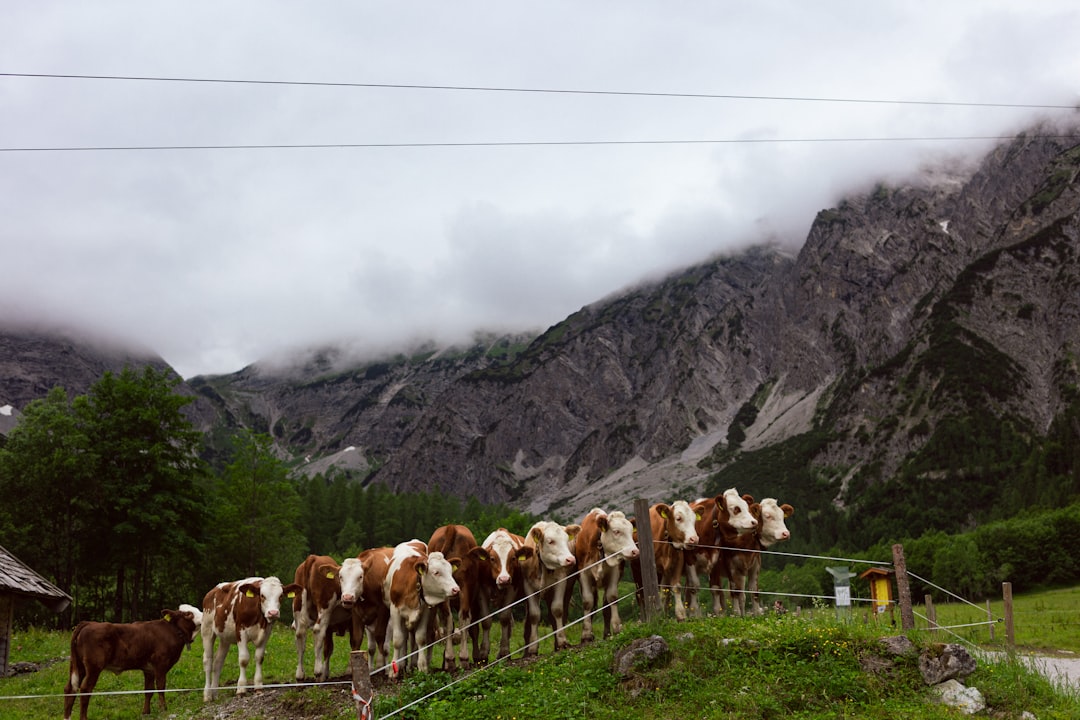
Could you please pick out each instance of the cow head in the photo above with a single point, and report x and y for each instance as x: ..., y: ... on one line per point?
x: 437, y: 577
x: 351, y: 578
x: 267, y: 592
x: 734, y: 510
x: 186, y: 621
x: 500, y: 548
x: 553, y: 543
x: 679, y: 523
x: 771, y: 516
x: 617, y: 537
x: 196, y: 616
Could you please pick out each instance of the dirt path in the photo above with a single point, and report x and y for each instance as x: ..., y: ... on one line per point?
x: 1058, y: 668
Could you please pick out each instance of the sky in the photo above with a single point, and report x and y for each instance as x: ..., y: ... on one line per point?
x: 441, y: 211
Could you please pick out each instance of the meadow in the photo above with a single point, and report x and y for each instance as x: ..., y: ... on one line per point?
x: 812, y: 666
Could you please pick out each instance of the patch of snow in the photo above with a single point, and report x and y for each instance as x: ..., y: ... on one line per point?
x: 6, y: 410
x: 944, y: 226
x: 349, y: 449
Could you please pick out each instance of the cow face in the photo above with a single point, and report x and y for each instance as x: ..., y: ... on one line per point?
x: 351, y: 577
x: 501, y: 548
x: 553, y: 544
x: 617, y: 536
x: 737, y: 510
x: 773, y: 527
x: 267, y: 592
x: 680, y: 521
x: 437, y: 578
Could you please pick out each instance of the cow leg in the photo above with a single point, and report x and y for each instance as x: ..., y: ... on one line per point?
x: 399, y: 641
x: 465, y: 629
x: 588, y: 603
x: 506, y: 625
x: 244, y: 656
x: 72, y: 687
x: 481, y: 646
x: 444, y: 616
x: 148, y: 690
x: 693, y: 586
x: 532, y: 623
x: 301, y: 646
x: 752, y: 584
x: 612, y: 621
x: 89, y: 681
x: 676, y: 591
x: 320, y: 636
x: 558, y: 617
x: 260, y: 651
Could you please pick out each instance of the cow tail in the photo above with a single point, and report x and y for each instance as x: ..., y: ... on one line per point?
x: 78, y: 670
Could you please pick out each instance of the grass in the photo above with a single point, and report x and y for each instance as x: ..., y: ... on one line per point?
x: 768, y: 667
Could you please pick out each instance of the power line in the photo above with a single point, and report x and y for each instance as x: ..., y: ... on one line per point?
x: 517, y: 143
x: 550, y: 91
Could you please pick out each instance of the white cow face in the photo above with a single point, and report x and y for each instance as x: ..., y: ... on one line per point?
x: 773, y: 527
x: 500, y: 548
x: 351, y: 577
x: 617, y: 537
x: 738, y: 511
x: 553, y: 543
x: 684, y: 520
x: 270, y: 592
x: 437, y: 578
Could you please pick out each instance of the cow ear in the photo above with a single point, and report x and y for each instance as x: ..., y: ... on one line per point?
x: 329, y: 574
x: 524, y: 554
x: 748, y: 498
x: 663, y: 510
x: 788, y: 510
x: 421, y: 568
x: 166, y: 615
x: 537, y: 535
x: 698, y: 514
x: 602, y: 523
x: 479, y: 553
x: 572, y: 530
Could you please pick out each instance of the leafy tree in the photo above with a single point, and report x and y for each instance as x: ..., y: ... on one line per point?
x: 257, y: 514
x: 44, y: 465
x: 145, y: 476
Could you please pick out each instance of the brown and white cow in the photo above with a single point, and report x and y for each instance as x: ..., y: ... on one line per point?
x: 673, y: 530
x: 417, y: 581
x: 457, y: 541
x: 742, y: 560
x: 502, y: 582
x: 237, y: 613
x: 721, y: 521
x: 546, y: 562
x: 327, y: 594
x: 371, y: 615
x: 152, y: 646
x: 602, y: 548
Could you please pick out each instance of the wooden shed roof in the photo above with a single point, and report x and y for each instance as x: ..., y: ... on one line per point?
x: 17, y: 578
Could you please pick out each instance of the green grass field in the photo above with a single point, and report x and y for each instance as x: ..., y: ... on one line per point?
x: 778, y: 666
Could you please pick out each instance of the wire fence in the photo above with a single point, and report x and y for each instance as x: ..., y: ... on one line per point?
x: 462, y: 632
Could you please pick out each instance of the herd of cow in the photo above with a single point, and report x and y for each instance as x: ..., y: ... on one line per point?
x: 405, y: 597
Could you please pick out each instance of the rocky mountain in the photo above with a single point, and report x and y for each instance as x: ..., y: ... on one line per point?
x: 924, y: 339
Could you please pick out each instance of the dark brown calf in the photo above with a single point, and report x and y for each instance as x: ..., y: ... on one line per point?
x: 152, y: 646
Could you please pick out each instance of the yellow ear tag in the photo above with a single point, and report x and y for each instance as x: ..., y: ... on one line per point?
x: 249, y: 594
x: 420, y: 571
x: 330, y: 575
x: 291, y: 595
x: 168, y: 618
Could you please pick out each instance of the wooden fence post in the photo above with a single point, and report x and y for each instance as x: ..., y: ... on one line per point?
x: 903, y: 589
x: 931, y: 614
x: 362, y: 691
x: 1006, y: 592
x: 650, y: 585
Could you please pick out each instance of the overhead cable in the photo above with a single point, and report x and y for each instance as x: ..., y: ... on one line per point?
x: 550, y: 91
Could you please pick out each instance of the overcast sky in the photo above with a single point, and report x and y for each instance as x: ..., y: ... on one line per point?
x: 217, y: 258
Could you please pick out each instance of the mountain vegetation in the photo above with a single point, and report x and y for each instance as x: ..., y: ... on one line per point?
x: 911, y: 371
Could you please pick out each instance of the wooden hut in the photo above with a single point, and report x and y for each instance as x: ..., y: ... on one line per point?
x: 18, y: 580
